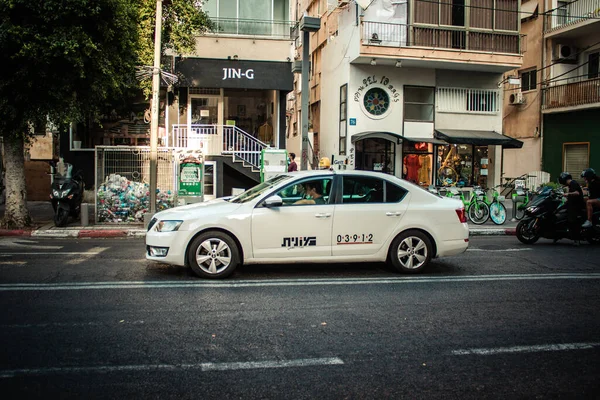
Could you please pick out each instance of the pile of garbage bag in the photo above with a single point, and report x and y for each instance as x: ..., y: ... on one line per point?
x: 123, y: 200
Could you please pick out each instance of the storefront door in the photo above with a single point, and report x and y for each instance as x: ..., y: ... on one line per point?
x: 205, y: 113
x: 376, y: 155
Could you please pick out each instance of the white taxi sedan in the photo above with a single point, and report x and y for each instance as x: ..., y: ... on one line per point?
x: 312, y: 216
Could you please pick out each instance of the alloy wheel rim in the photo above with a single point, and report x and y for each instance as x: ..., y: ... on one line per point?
x: 213, y: 256
x: 412, y: 252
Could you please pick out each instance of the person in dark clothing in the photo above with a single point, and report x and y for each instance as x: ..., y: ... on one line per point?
x: 293, y: 166
x: 575, y: 204
x: 593, y: 194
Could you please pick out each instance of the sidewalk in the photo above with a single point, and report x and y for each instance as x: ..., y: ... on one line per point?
x: 43, y: 225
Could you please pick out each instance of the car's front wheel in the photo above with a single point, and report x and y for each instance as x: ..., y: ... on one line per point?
x: 411, y: 251
x: 213, y: 254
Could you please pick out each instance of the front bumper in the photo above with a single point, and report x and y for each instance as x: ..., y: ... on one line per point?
x: 175, y: 242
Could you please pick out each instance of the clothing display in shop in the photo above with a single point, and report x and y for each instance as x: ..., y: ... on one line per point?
x: 425, y: 170
x: 265, y: 133
x: 412, y: 164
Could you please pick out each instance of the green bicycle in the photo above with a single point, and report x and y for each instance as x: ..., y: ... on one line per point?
x: 477, y: 210
x: 497, y: 209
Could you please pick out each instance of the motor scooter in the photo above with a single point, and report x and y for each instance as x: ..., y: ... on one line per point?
x: 546, y: 217
x: 67, y: 195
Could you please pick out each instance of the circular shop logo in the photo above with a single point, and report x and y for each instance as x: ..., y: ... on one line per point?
x: 376, y: 102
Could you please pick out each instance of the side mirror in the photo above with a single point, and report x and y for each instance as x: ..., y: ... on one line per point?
x: 273, y: 201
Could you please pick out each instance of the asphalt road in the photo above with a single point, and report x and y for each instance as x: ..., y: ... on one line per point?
x: 93, y: 319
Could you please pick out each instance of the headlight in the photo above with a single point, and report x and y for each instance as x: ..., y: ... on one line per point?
x: 56, y: 193
x: 64, y: 193
x: 532, y: 209
x: 168, y: 226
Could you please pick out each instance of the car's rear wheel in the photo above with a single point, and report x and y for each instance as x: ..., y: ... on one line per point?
x: 411, y: 251
x: 213, y: 255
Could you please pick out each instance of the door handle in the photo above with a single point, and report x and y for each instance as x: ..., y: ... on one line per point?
x: 393, y: 214
x: 323, y: 215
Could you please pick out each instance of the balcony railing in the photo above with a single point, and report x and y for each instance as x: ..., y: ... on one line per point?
x: 255, y: 28
x: 571, y: 14
x: 460, y: 38
x: 572, y: 94
x: 470, y: 101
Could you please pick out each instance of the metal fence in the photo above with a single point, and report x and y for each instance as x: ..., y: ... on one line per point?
x: 571, y: 94
x: 571, y: 13
x: 443, y: 37
x: 472, y: 101
x: 122, y: 182
x: 255, y: 28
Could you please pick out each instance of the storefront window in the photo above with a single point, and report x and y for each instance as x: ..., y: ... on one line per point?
x: 252, y: 111
x: 417, y: 162
x: 128, y: 125
x: 375, y: 155
x: 462, y: 165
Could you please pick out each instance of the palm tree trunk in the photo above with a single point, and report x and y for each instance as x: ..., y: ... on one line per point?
x: 16, y: 214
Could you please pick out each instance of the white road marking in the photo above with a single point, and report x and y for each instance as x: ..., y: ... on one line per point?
x: 91, y: 253
x: 13, y: 262
x: 501, y: 250
x: 525, y: 349
x: 70, y: 324
x: 57, y: 253
x: 204, y: 367
x: 296, y: 282
x: 30, y: 244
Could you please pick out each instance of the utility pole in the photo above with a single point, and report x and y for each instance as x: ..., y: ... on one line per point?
x: 307, y: 25
x: 155, y: 102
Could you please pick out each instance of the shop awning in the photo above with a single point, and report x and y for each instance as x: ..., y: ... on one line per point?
x: 391, y: 136
x: 477, y: 138
x: 425, y: 140
x: 529, y: 10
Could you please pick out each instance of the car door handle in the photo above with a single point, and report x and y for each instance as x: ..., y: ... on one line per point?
x: 323, y: 215
x: 393, y: 214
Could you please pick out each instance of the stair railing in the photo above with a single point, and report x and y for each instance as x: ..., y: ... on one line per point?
x: 242, y: 145
x: 234, y: 141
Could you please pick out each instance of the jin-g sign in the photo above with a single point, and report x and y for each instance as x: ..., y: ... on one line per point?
x: 234, y: 74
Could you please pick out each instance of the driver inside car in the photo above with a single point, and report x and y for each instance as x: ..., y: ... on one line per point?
x: 315, y: 191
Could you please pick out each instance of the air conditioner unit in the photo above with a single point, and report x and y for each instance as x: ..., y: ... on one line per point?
x: 565, y: 52
x: 516, y: 98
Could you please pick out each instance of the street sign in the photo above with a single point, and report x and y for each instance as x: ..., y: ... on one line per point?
x: 352, y: 121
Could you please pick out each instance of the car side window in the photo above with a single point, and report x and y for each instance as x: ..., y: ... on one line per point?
x: 359, y: 189
x: 393, y: 193
x: 307, y: 192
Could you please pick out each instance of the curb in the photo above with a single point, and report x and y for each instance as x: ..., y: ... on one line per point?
x: 75, y: 233
x: 493, y: 232
x: 15, y: 232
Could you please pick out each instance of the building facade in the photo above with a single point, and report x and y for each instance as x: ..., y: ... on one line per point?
x: 570, y: 90
x: 224, y: 102
x: 411, y: 88
x: 553, y: 107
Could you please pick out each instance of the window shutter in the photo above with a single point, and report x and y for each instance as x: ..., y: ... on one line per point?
x: 576, y: 159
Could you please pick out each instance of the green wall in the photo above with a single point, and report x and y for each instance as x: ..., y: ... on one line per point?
x: 576, y: 126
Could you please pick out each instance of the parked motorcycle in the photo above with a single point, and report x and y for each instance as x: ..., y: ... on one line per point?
x: 67, y: 195
x: 546, y: 217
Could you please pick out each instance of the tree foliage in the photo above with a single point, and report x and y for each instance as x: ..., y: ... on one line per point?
x: 64, y: 60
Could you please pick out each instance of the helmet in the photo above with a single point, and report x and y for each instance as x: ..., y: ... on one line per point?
x: 588, y: 173
x: 324, y: 163
x: 564, y: 177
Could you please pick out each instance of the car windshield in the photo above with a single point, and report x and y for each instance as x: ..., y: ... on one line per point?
x: 259, y: 189
x: 64, y: 171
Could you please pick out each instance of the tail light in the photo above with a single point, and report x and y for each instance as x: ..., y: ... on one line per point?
x: 462, y: 216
